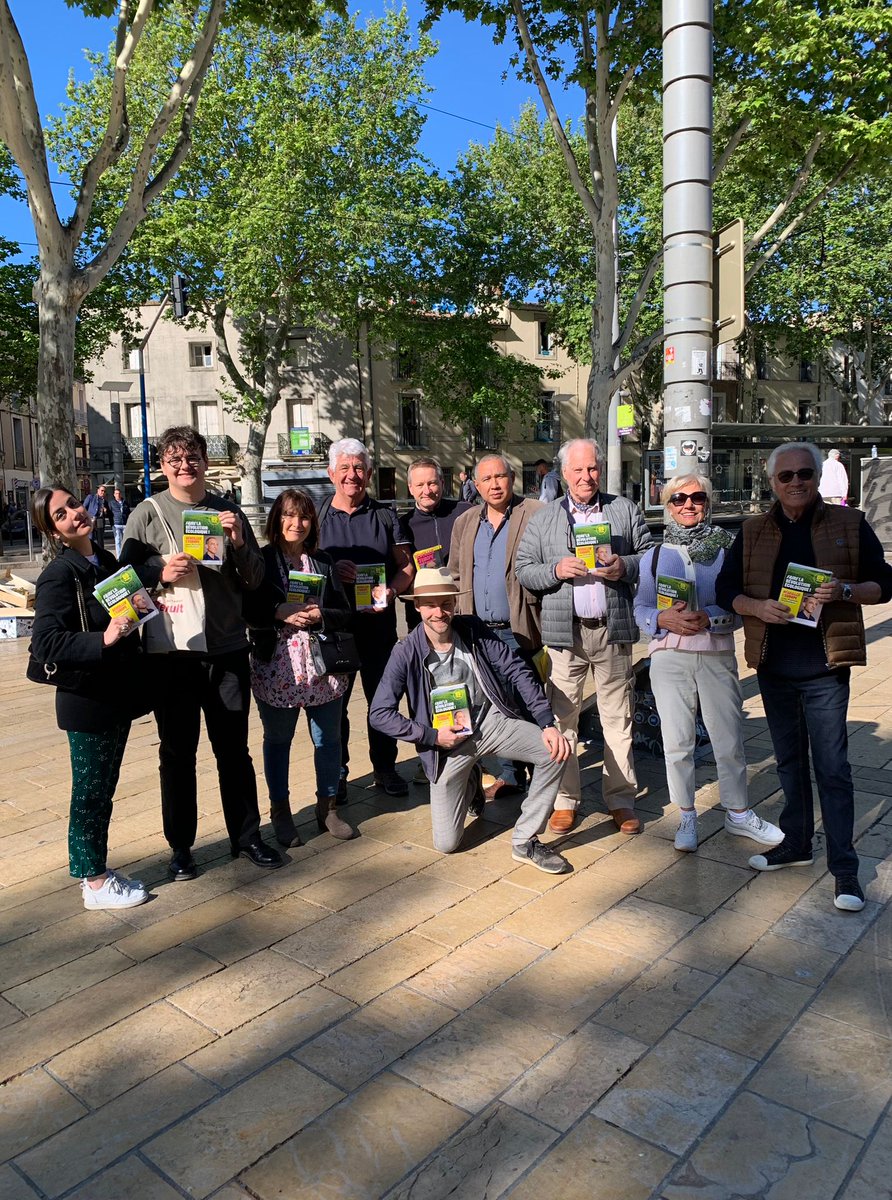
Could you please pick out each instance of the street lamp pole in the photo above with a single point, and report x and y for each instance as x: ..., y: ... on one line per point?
x: 143, y: 406
x: 687, y: 235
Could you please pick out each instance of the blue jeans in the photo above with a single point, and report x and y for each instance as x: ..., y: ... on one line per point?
x: 513, y: 773
x: 811, y: 713
x: 279, y: 725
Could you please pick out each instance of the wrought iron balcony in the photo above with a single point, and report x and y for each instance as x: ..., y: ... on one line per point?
x: 320, y: 444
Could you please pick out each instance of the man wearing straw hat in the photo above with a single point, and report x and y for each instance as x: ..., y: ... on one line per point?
x: 506, y: 710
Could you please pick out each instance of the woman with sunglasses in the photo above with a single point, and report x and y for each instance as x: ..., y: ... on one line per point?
x: 283, y: 678
x: 692, y: 658
x: 99, y: 690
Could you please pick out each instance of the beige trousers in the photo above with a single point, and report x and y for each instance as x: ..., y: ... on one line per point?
x: 611, y: 665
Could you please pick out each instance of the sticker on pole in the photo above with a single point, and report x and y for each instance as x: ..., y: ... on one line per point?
x: 688, y: 448
x: 703, y: 454
x: 669, y: 354
x: 670, y: 458
x: 698, y: 363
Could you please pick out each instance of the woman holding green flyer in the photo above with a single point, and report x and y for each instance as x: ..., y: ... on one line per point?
x: 301, y: 593
x: 86, y: 652
x: 692, y: 659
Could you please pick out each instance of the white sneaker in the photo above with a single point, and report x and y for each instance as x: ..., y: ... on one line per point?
x: 686, y: 837
x: 755, y: 828
x: 116, y: 892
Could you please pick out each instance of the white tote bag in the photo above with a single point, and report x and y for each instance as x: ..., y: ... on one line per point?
x: 181, y: 611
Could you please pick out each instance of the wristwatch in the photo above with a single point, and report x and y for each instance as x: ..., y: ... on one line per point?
x: 847, y: 591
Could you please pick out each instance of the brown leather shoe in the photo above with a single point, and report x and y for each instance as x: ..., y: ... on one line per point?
x: 562, y: 820
x: 625, y: 820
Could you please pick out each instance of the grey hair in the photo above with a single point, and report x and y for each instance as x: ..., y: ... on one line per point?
x: 493, y: 458
x: 426, y: 462
x: 833, y: 454
x: 347, y: 448
x: 794, y: 448
x: 568, y: 446
x: 672, y: 485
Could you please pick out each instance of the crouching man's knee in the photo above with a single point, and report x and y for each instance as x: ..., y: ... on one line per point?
x: 448, y: 843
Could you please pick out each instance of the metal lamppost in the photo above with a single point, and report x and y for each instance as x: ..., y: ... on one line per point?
x: 117, y: 386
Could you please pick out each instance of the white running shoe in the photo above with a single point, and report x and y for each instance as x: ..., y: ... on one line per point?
x: 116, y: 892
x: 686, y: 837
x: 755, y: 828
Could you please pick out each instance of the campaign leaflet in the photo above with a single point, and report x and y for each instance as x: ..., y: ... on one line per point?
x: 203, y: 538
x: 450, y: 707
x: 431, y: 557
x: 592, y: 544
x: 671, y: 590
x: 304, y: 588
x: 371, y: 586
x: 123, y: 595
x: 798, y: 593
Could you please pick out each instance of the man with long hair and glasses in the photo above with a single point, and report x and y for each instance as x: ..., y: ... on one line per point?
x: 803, y: 670
x: 212, y: 676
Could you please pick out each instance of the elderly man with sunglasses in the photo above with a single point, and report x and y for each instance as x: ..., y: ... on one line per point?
x: 803, y: 670
x: 588, y: 623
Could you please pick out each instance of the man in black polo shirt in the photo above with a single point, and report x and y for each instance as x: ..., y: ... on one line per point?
x: 358, y: 531
x: 429, y: 524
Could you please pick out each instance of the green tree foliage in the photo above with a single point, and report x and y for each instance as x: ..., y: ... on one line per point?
x: 804, y: 106
x: 72, y: 265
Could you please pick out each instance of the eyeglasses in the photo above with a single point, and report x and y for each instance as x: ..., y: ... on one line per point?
x: 681, y: 498
x: 177, y: 460
x: 805, y: 474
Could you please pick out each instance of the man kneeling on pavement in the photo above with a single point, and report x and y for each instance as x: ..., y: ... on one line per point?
x: 509, y: 716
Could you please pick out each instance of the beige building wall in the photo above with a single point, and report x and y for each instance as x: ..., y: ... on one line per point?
x: 332, y: 386
x: 18, y: 451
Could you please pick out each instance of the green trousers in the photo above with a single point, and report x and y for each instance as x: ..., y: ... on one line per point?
x: 95, y: 765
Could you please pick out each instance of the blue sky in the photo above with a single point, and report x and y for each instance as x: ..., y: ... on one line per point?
x: 466, y: 77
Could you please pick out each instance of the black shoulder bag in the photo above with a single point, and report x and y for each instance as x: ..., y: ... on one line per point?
x: 68, y: 679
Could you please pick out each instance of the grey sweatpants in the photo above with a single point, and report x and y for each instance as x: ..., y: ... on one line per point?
x: 506, y: 738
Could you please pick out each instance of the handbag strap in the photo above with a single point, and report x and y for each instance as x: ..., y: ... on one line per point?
x: 161, y: 517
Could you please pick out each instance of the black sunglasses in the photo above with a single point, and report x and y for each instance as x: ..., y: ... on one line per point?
x: 680, y: 498
x: 805, y: 474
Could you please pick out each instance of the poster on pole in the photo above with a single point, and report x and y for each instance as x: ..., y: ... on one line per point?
x: 670, y: 459
x: 625, y: 419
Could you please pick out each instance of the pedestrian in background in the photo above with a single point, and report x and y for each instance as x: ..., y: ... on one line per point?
x: 120, y: 511
x: 468, y: 489
x: 834, y: 485
x: 549, y: 482
x: 97, y: 509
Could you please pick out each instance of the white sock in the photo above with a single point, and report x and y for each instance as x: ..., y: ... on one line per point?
x: 739, y: 817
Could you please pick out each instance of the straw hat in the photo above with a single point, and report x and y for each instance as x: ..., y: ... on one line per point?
x: 431, y: 582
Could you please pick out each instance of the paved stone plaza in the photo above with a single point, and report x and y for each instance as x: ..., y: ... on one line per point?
x: 378, y: 1020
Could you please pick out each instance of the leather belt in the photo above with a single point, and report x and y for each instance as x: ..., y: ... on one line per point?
x: 591, y: 622
x: 497, y: 624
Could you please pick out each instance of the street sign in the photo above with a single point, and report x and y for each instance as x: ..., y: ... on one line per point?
x: 728, y: 312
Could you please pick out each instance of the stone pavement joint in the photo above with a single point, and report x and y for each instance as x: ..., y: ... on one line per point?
x: 380, y: 1022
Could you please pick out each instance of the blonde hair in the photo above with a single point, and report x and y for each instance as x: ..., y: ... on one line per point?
x: 672, y: 486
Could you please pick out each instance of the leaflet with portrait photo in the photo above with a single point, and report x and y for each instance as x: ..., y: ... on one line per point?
x: 672, y: 590
x: 592, y: 544
x: 204, y: 538
x: 798, y: 591
x: 431, y: 557
x: 451, y: 708
x: 123, y: 595
x: 371, y: 587
x: 304, y: 587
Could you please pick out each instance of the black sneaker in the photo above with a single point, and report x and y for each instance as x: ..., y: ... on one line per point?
x: 849, y: 896
x: 392, y: 783
x: 781, y: 856
x: 182, y: 866
x: 537, y: 855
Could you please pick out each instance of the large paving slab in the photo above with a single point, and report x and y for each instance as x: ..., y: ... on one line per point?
x: 379, y: 1022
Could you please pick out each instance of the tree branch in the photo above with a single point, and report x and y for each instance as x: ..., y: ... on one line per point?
x: 638, y: 355
x: 802, y: 176
x: 624, y: 85
x: 733, y: 142
x: 225, y: 356
x: 117, y: 130
x: 22, y: 131
x: 588, y: 201
x: 638, y: 300
x: 183, y: 95
x: 595, y: 165
x: 787, y: 233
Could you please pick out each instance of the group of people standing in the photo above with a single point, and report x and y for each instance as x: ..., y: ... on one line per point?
x: 502, y: 607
